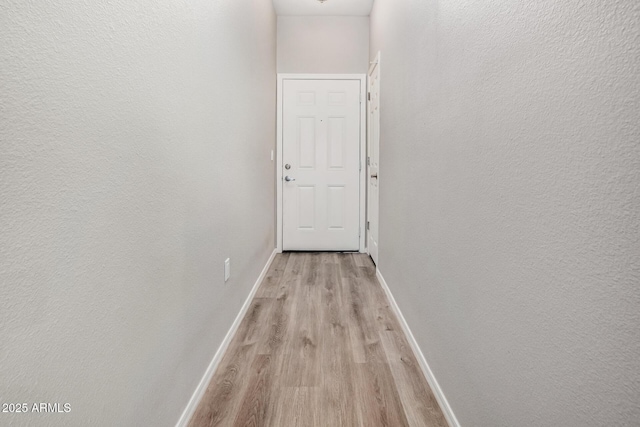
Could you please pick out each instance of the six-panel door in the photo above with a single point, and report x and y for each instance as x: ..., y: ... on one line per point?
x: 321, y: 148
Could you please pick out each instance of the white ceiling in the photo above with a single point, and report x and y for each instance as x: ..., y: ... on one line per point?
x: 330, y: 7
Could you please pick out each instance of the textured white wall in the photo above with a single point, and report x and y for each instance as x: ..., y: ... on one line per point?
x: 510, y: 203
x: 323, y: 44
x: 134, y: 158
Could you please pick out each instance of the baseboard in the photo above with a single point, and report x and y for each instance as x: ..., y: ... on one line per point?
x: 204, y: 382
x: 431, y: 379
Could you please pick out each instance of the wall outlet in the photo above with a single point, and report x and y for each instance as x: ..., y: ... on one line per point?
x: 227, y: 269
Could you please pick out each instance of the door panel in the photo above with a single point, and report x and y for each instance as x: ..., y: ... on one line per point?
x: 336, y: 207
x: 306, y: 202
x: 306, y: 141
x: 373, y: 154
x: 337, y: 144
x: 321, y: 145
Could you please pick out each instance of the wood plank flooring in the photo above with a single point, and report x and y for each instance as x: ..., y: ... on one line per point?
x: 319, y: 346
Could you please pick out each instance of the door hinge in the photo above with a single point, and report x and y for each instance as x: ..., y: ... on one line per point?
x: 368, y: 225
x: 369, y: 96
x: 368, y: 161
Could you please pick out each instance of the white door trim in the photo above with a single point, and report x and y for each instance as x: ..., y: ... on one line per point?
x: 363, y: 149
x: 372, y: 65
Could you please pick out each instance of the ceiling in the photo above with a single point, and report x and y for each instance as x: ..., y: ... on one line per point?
x: 330, y: 7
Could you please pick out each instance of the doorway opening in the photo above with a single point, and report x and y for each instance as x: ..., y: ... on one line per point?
x: 320, y: 162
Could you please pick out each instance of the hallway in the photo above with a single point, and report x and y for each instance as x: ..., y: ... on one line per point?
x: 144, y: 154
x: 319, y: 346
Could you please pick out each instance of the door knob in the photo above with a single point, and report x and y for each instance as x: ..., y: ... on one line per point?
x: 288, y: 178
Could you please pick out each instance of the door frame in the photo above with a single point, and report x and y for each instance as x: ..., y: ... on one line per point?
x: 373, y: 64
x: 362, y: 78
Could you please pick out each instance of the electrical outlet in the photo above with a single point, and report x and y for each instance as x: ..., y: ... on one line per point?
x: 227, y: 269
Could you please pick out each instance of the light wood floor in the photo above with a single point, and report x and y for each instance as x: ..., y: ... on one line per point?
x: 319, y: 346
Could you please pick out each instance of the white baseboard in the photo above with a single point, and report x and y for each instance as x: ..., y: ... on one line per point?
x: 204, y: 382
x: 431, y: 379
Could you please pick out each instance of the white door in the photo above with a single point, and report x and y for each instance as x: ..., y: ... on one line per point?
x: 373, y: 158
x: 320, y: 160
